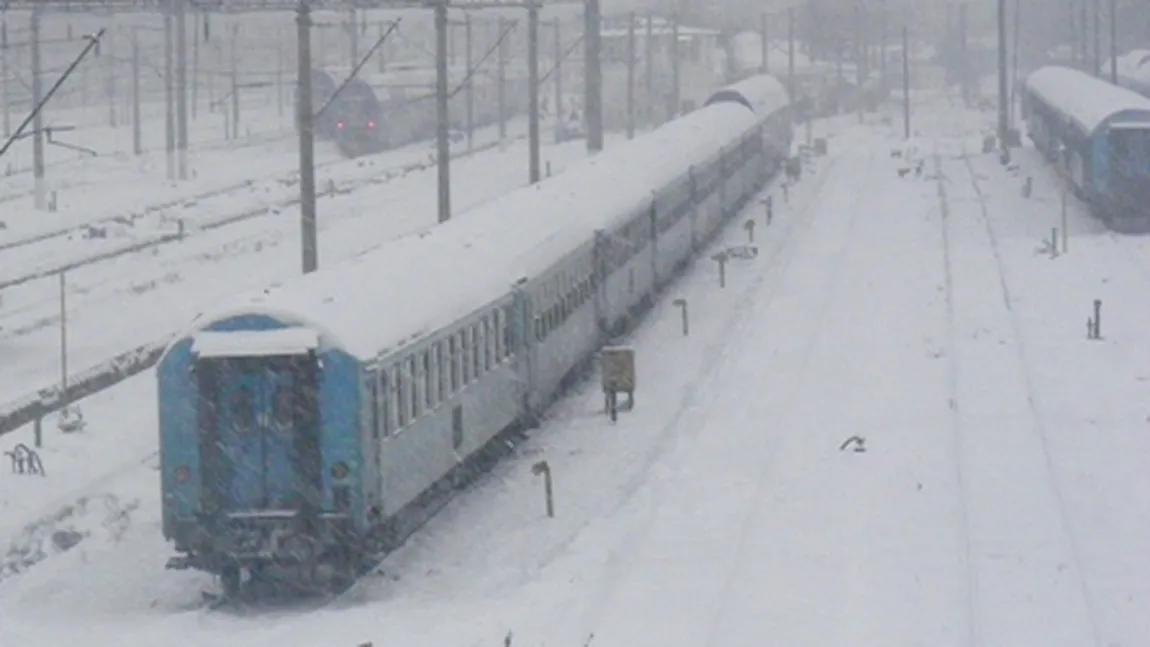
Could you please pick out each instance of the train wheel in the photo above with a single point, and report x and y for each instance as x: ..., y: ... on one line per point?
x: 231, y: 581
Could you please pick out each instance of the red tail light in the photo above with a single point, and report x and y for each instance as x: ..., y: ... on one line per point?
x: 339, y: 125
x: 371, y: 124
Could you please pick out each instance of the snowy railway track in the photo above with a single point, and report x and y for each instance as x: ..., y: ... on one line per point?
x: 285, y: 179
x: 336, y: 188
x: 220, y: 145
x: 956, y: 414
x: 1002, y: 447
x: 682, y: 442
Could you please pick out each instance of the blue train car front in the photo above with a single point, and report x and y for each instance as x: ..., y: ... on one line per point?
x: 260, y: 456
x: 1124, y: 161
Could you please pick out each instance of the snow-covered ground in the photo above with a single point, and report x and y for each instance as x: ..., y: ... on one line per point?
x: 1000, y: 499
x: 118, y: 304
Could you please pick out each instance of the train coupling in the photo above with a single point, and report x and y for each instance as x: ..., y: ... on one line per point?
x: 178, y: 564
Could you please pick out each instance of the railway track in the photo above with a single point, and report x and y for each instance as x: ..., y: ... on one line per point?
x: 338, y: 188
x: 71, y: 229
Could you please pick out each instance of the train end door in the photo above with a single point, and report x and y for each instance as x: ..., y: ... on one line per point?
x: 259, y: 423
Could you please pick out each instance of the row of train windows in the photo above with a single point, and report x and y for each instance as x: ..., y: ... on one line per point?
x: 423, y: 380
x: 554, y: 316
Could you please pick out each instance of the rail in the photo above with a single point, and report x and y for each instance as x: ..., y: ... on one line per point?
x: 31, y: 408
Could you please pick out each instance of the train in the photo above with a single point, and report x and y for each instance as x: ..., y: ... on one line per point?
x: 1133, y: 71
x: 305, y: 430
x: 377, y: 112
x: 1098, y: 136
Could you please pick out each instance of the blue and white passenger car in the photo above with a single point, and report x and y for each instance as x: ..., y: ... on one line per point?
x: 308, y: 425
x: 1098, y: 134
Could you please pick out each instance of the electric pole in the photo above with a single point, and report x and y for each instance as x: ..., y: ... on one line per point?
x: 137, y: 137
x: 533, y: 163
x: 558, y: 72
x: 1084, y: 27
x: 442, y: 144
x: 764, y: 64
x: 469, y: 66
x: 307, y: 206
x: 906, y: 82
x: 791, y: 53
x: 1097, y: 6
x: 169, y: 95
x: 859, y: 55
x: 649, y: 72
x: 1003, y: 95
x: 631, y: 75
x: 182, y: 85
x: 4, y: 77
x: 963, y: 66
x: 501, y: 46
x: 37, y: 122
x: 593, y: 76
x: 676, y: 71
x: 1114, y: 42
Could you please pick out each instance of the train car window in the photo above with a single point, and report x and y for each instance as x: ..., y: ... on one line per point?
x: 1130, y: 149
x: 509, y: 332
x: 283, y: 408
x: 500, y: 335
x: 453, y: 362
x: 375, y: 408
x: 444, y: 352
x: 379, y: 403
x: 477, y: 350
x: 416, y: 388
x: 392, y: 401
x: 488, y: 343
x: 428, y: 380
x: 435, y: 381
x: 403, y: 385
x: 468, y: 344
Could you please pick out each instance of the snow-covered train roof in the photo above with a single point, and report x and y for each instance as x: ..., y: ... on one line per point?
x: 1090, y: 102
x: 763, y: 94
x: 410, y: 287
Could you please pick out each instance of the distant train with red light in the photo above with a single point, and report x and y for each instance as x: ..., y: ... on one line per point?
x: 374, y: 113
